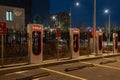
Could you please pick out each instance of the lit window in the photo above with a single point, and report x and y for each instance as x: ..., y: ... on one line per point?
x: 9, y: 16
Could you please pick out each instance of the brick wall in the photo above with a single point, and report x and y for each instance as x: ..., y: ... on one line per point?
x: 18, y: 22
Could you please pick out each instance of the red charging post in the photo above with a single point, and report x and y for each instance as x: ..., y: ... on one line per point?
x: 2, y: 28
x: 74, y: 42
x: 35, y: 32
x: 58, y: 33
x: 115, y: 42
x: 99, y: 42
x: 58, y: 37
x: 2, y: 33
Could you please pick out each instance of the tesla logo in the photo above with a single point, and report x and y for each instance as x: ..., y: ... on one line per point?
x: 36, y: 28
x: 76, y: 31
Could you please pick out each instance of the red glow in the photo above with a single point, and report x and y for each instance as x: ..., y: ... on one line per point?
x: 36, y: 28
x: 2, y: 28
x: 116, y: 41
x: 76, y: 31
x: 58, y: 33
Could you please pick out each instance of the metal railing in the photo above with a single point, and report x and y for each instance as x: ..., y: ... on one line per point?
x: 15, y: 48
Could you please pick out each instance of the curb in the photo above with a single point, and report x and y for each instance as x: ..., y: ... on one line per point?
x: 7, y: 70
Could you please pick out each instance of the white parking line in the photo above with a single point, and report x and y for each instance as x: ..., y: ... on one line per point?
x: 58, y: 72
x: 19, y: 72
x: 116, y: 68
x: 111, y: 59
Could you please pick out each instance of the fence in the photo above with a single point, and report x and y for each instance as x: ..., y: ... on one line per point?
x: 15, y: 47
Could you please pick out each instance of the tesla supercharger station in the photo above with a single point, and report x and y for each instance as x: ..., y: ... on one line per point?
x: 99, y: 42
x: 74, y: 42
x: 35, y: 32
x: 115, y: 42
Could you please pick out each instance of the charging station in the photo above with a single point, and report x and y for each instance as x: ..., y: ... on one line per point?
x: 35, y: 43
x: 74, y: 42
x: 115, y: 42
x: 99, y: 42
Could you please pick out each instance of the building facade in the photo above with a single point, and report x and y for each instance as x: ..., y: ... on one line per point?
x: 26, y: 4
x: 14, y: 17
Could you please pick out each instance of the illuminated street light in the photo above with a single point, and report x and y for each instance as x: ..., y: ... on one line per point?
x: 54, y: 20
x: 53, y: 17
x: 76, y: 4
x: 108, y: 13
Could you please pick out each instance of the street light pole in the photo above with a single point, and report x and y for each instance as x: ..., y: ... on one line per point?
x: 70, y: 17
x: 94, y: 28
x: 108, y: 30
x: 109, y: 27
x: 76, y: 4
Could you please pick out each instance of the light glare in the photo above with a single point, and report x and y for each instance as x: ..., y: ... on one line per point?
x: 77, y: 4
x: 106, y: 11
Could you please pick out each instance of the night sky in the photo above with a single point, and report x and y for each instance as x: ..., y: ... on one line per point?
x: 84, y: 13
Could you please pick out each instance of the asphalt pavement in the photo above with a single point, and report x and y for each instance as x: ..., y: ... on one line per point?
x: 90, y: 69
x: 108, y: 71
x: 80, y: 70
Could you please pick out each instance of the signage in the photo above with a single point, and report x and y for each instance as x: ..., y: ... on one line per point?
x: 75, y: 31
x: 2, y: 28
x: 36, y: 28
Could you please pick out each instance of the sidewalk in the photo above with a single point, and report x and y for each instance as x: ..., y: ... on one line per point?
x: 52, y: 62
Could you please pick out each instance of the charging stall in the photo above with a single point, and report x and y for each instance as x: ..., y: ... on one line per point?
x: 35, y: 32
x: 99, y: 42
x: 74, y: 42
x: 115, y: 42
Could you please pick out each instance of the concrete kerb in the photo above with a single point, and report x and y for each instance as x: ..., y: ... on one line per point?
x: 47, y: 64
x: 7, y: 70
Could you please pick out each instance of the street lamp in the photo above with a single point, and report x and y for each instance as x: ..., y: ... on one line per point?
x: 55, y: 20
x: 53, y: 17
x: 76, y: 4
x: 108, y: 13
x: 94, y: 28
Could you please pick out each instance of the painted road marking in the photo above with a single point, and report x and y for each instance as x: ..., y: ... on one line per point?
x: 19, y: 72
x: 116, y: 68
x: 68, y: 75
x: 108, y: 59
x: 111, y: 59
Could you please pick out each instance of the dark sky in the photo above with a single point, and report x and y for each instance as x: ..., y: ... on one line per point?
x: 41, y: 8
x: 84, y: 13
